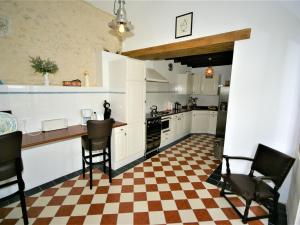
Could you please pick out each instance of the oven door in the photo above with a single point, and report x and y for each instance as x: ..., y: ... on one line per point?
x: 165, y: 124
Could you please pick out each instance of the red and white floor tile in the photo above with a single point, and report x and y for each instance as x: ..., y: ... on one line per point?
x: 168, y: 188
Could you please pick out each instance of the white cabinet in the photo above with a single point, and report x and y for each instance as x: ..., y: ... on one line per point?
x: 212, y: 122
x: 209, y: 86
x: 200, y: 122
x: 196, y: 84
x: 128, y: 85
x: 204, y: 122
x: 184, y: 83
x: 188, y: 122
x: 119, y: 143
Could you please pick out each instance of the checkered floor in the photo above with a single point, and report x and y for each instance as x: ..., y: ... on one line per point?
x: 168, y: 188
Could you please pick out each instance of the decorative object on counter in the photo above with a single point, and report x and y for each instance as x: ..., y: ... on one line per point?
x: 43, y: 66
x: 8, y: 123
x: 209, y: 71
x: 192, y: 102
x: 184, y: 25
x: 86, y: 114
x: 170, y: 67
x: 76, y: 83
x: 86, y: 79
x: 4, y: 26
x: 107, y: 110
x: 120, y: 24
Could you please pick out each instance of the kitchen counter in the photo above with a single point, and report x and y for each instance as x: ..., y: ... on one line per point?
x: 38, y: 138
x: 172, y: 112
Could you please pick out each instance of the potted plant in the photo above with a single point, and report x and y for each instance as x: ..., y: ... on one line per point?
x: 43, y: 66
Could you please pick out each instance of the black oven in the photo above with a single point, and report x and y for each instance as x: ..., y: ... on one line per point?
x: 153, y: 134
x: 165, y: 124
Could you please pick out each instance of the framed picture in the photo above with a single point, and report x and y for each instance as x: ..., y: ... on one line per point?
x: 184, y: 25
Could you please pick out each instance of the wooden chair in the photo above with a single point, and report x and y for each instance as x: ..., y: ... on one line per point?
x: 273, y: 165
x: 97, y: 143
x: 11, y: 166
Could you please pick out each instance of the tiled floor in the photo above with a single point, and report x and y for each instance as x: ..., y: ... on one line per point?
x: 168, y: 188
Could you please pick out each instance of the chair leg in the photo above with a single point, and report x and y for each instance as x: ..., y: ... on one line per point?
x: 83, y: 163
x: 109, y: 164
x: 222, y: 192
x: 245, y: 216
x: 91, y: 169
x: 22, y: 199
x: 275, y: 208
x: 104, y: 159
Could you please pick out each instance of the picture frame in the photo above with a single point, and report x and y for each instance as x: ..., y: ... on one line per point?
x: 184, y: 25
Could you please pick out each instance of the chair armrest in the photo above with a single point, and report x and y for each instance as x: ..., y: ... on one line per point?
x: 234, y: 157
x: 237, y: 157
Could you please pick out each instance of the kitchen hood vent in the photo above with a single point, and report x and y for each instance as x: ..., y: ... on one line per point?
x: 153, y: 76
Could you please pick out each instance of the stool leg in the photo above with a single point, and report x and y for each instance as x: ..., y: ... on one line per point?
x: 22, y: 199
x: 104, y: 159
x: 91, y: 168
x: 109, y: 164
x: 83, y: 163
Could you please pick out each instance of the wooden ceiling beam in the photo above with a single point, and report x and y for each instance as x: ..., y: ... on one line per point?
x: 205, y: 45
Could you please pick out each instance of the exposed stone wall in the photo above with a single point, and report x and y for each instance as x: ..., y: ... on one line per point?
x: 71, y: 33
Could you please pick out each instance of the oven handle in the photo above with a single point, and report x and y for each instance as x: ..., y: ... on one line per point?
x: 164, y: 131
x: 166, y: 118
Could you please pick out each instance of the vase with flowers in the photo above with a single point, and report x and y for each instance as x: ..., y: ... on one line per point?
x: 43, y: 66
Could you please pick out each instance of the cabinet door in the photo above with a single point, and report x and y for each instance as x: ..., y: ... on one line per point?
x: 136, y: 101
x: 200, y: 121
x: 189, y: 89
x: 188, y: 122
x: 119, y: 144
x: 180, y: 125
x: 209, y: 86
x: 135, y: 138
x: 212, y: 122
x: 135, y: 70
x: 174, y: 127
x: 196, y: 84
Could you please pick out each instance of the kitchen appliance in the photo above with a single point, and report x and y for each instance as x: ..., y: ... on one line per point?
x: 153, y: 110
x: 86, y: 114
x: 55, y: 124
x: 177, y: 106
x: 153, y: 134
x: 165, y: 124
x: 153, y: 76
x: 222, y: 111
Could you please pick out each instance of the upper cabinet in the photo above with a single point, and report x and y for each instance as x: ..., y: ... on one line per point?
x: 184, y: 84
x: 205, y: 86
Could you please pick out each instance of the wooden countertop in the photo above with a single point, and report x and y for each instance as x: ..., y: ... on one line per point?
x: 36, y: 138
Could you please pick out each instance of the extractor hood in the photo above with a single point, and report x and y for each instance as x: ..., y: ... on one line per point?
x: 153, y: 76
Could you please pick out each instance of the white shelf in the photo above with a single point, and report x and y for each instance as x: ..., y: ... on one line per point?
x: 49, y: 89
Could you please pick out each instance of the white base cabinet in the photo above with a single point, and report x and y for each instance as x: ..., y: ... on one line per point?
x: 119, y: 143
x: 204, y: 122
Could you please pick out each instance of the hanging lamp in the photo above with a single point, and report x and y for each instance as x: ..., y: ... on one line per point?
x: 120, y: 24
x: 209, y: 71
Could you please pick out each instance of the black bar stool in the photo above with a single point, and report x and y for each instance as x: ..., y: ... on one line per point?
x: 11, y: 165
x: 97, y: 143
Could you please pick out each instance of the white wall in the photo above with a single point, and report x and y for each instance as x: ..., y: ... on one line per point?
x: 160, y: 94
x: 264, y: 98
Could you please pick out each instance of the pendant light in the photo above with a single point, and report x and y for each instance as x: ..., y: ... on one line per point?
x: 209, y: 71
x: 120, y: 24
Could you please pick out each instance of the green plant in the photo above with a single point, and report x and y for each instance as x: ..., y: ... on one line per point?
x: 43, y: 66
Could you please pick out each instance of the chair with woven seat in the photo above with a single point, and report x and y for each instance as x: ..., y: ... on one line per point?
x: 97, y: 143
x: 11, y: 166
x: 273, y: 165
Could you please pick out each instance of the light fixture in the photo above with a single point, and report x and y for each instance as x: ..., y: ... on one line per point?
x: 209, y: 71
x: 120, y: 24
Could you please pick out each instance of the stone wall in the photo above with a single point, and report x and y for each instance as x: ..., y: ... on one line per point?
x: 72, y: 33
